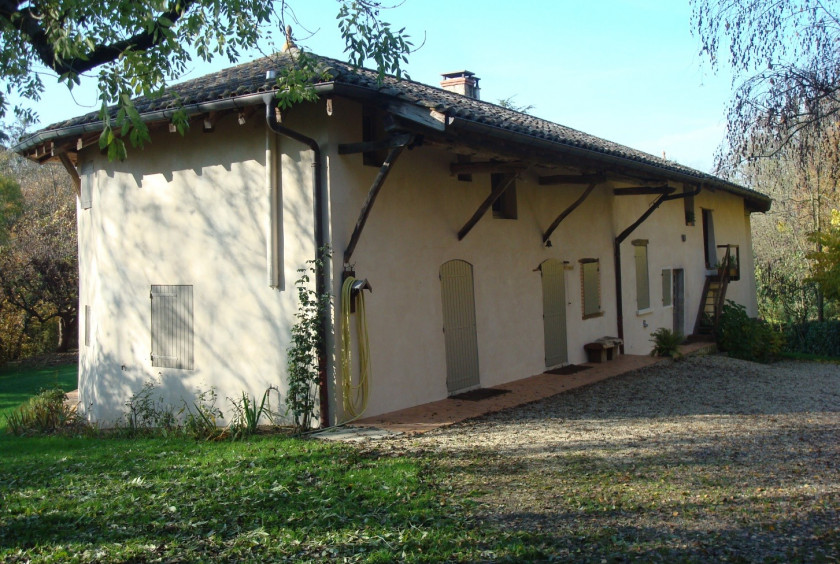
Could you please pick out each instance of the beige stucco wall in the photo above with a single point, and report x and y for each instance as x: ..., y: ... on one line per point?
x: 197, y: 210
x: 187, y: 210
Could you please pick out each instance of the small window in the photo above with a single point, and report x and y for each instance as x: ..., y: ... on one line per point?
x: 590, y: 287
x: 642, y: 279
x: 87, y: 325
x: 373, y: 129
x: 667, y: 289
x: 86, y: 188
x: 172, y: 326
x: 688, y: 202
x: 505, y: 205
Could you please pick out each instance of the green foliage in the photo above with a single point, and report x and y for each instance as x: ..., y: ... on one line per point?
x: 825, y: 262
x: 368, y: 37
x: 148, y: 413
x: 666, y: 343
x: 813, y: 338
x: 247, y: 414
x: 19, y: 383
x: 306, y: 342
x: 11, y: 205
x: 785, y: 294
x: 203, y: 420
x: 747, y: 338
x: 44, y: 414
x: 138, y: 48
x: 295, y: 82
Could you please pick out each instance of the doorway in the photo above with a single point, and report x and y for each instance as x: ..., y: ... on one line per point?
x: 554, y: 312
x: 679, y: 300
x: 459, y: 329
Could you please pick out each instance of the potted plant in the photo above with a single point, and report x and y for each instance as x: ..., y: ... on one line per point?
x: 689, y: 218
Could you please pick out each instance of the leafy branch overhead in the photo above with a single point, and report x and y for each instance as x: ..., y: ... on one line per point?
x: 137, y: 47
x: 785, y: 63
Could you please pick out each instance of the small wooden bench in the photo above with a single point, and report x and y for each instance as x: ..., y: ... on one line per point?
x: 603, y: 349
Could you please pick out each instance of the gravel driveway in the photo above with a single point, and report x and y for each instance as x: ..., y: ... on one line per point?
x: 710, y: 458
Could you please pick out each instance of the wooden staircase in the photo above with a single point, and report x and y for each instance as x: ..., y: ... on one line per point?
x: 714, y: 296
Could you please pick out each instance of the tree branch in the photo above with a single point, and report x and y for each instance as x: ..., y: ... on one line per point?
x: 29, y: 24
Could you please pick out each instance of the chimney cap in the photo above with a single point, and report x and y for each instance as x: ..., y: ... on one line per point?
x: 457, y: 74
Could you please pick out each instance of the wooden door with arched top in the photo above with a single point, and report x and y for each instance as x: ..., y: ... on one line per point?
x: 459, y: 328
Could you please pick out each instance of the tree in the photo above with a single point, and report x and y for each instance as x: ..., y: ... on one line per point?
x: 785, y: 59
x: 138, y: 46
x: 825, y: 266
x: 38, y: 259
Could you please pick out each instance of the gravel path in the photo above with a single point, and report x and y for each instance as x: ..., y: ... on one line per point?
x: 707, y: 458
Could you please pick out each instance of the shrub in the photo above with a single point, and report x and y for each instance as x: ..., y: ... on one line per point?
x: 247, y: 414
x: 306, y: 340
x: 747, y: 338
x: 148, y: 414
x: 202, y: 420
x: 814, y: 337
x: 666, y: 343
x: 44, y: 414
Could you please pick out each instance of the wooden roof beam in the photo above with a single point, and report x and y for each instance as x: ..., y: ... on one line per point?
x: 485, y: 205
x: 553, y: 180
x: 487, y: 167
x: 644, y: 191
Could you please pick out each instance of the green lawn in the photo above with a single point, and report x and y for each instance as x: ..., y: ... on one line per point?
x: 18, y: 384
x: 270, y: 498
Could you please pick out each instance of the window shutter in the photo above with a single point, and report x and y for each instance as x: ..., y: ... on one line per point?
x: 172, y: 327
x: 667, y: 292
x: 642, y: 280
x: 86, y: 196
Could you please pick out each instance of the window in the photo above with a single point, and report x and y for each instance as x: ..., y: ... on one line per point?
x: 87, y: 325
x: 642, y: 280
x: 688, y: 202
x: 505, y: 205
x: 172, y: 326
x: 373, y: 129
x: 667, y: 290
x: 86, y: 188
x: 590, y: 287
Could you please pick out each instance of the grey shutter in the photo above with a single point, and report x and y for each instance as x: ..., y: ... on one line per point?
x: 667, y: 279
x: 642, y: 280
x: 591, y: 288
x: 172, y: 327
x: 456, y: 278
x: 86, y: 188
x: 554, y: 312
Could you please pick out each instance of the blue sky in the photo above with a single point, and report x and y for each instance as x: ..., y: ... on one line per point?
x: 625, y: 70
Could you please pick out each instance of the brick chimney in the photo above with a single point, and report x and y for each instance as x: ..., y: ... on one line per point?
x: 461, y: 82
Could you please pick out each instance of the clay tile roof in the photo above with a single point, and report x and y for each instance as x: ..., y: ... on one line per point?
x: 250, y: 78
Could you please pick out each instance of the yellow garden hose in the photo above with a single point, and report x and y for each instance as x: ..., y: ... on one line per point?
x: 355, y: 396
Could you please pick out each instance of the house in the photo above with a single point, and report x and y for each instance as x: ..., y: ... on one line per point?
x: 497, y: 244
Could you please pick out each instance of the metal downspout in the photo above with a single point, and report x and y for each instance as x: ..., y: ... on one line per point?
x: 619, y: 302
x: 320, y: 284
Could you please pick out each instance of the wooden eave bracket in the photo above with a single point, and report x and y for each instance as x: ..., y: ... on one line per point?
x: 565, y: 213
x: 384, y: 170
x: 71, y: 170
x: 485, y: 205
x: 499, y: 167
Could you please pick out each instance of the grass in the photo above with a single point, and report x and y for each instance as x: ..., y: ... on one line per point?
x: 694, y: 498
x: 18, y: 384
x: 809, y: 357
x: 270, y: 498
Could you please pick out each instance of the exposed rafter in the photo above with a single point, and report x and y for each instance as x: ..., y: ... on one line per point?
x: 565, y: 213
x: 644, y: 191
x: 487, y: 167
x: 597, y: 178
